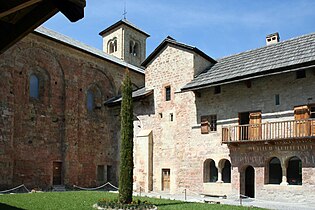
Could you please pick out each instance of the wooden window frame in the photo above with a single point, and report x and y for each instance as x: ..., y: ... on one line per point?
x: 168, y: 95
x: 208, y: 123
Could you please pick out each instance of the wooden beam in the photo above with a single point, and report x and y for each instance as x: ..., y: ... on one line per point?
x: 14, y: 32
x: 19, y: 7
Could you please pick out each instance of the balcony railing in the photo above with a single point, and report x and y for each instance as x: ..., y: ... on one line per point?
x: 294, y: 129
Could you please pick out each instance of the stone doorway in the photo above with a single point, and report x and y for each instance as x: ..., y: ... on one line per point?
x: 166, y: 180
x: 250, y: 182
x: 57, y: 167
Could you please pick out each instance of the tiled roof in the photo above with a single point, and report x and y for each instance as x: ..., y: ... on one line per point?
x: 142, y: 92
x: 293, y: 53
x: 81, y: 46
x: 126, y: 22
x: 171, y: 41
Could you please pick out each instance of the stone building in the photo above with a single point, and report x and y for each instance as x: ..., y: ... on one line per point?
x: 242, y: 124
x: 54, y: 127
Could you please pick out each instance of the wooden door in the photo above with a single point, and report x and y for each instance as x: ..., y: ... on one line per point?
x: 165, y: 179
x: 255, y: 126
x: 301, y: 114
x: 57, y: 166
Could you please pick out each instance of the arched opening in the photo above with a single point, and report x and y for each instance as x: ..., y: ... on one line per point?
x: 93, y: 98
x: 133, y: 48
x: 226, y: 172
x: 112, y: 45
x: 250, y: 182
x: 136, y: 49
x: 294, y: 171
x: 34, y: 86
x: 275, y: 171
x: 210, y: 171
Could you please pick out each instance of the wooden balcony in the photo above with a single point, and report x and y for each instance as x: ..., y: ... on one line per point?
x: 269, y: 131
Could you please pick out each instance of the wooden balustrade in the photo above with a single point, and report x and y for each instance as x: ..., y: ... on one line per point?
x: 269, y: 131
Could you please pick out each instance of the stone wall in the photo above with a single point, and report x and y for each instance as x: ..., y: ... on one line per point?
x: 57, y: 127
x: 178, y: 144
x: 174, y: 144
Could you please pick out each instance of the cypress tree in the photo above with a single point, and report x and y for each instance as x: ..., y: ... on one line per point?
x: 126, y: 148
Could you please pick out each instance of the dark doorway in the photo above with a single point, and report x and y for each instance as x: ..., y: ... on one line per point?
x: 57, y: 167
x: 226, y: 172
x: 250, y: 182
x: 294, y: 171
x: 275, y: 171
x: 243, y: 130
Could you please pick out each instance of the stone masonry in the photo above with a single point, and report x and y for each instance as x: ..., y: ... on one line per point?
x: 57, y: 127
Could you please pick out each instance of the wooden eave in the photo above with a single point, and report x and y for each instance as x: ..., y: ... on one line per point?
x: 20, y: 17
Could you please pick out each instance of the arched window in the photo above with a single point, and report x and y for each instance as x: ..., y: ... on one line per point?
x: 93, y: 98
x: 90, y: 100
x: 294, y: 171
x: 34, y: 86
x: 136, y: 49
x: 112, y: 45
x: 210, y: 171
x: 133, y: 48
x: 226, y: 172
x: 275, y: 171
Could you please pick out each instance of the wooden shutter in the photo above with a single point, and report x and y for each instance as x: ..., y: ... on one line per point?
x: 302, y: 128
x: 204, y: 125
x: 255, y: 126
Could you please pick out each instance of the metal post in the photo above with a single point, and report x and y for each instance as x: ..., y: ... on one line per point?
x: 240, y: 199
x: 140, y: 191
x: 185, y: 194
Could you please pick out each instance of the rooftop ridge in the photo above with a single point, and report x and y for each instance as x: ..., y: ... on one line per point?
x: 267, y: 46
x: 123, y: 21
x: 82, y: 46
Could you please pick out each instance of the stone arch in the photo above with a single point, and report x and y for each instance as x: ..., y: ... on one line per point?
x: 225, y: 169
x: 134, y: 48
x: 294, y: 171
x: 247, y: 180
x: 44, y: 63
x: 112, y: 45
x: 210, y: 171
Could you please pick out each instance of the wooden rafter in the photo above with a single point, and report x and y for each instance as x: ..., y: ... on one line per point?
x: 19, y: 7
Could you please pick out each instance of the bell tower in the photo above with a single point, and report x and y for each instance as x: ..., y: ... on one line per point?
x: 125, y: 41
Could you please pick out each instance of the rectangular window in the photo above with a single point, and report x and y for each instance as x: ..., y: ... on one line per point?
x: 300, y: 74
x: 100, y: 173
x: 277, y: 99
x: 208, y: 123
x: 217, y: 89
x: 168, y: 93
x: 171, y: 117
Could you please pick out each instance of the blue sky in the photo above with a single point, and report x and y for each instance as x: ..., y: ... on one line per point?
x: 219, y: 28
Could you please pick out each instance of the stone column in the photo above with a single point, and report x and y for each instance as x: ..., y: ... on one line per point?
x: 219, y: 167
x: 284, y: 173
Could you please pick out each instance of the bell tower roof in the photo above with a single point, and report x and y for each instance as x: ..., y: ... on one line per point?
x: 123, y: 22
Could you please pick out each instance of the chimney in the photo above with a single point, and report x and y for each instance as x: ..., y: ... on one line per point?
x: 272, y: 38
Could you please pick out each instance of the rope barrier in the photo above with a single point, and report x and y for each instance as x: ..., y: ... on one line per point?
x: 15, y: 188
x: 191, y: 191
x: 96, y: 188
